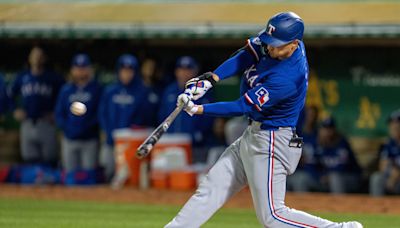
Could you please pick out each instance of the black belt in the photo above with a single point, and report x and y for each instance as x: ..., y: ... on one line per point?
x: 264, y: 127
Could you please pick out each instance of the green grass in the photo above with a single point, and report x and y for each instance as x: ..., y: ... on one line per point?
x: 46, y: 213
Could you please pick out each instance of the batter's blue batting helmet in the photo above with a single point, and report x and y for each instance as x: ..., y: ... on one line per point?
x: 282, y: 29
x: 128, y: 61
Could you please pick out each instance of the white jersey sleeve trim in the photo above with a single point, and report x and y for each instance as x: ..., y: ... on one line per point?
x: 248, y: 99
x: 252, y: 49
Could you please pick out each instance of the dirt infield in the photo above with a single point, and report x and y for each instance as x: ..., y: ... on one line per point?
x: 308, y: 202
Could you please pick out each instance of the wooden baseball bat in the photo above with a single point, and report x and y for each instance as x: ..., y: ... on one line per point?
x: 148, y: 144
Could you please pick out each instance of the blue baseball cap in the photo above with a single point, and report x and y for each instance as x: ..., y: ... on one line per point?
x: 282, y: 29
x: 127, y: 61
x: 81, y: 60
x: 186, y: 62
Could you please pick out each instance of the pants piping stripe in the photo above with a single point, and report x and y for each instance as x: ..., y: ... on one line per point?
x: 270, y: 196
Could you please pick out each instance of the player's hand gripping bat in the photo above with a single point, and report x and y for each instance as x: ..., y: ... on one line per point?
x: 148, y: 144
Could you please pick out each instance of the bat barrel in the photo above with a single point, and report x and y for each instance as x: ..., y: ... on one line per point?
x: 153, y: 138
x: 143, y: 150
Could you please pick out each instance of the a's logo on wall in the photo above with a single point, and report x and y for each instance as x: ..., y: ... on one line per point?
x: 271, y: 29
x: 262, y: 96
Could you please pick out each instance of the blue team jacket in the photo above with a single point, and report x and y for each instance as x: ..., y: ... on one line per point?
x: 84, y: 126
x: 38, y: 93
x: 338, y: 158
x: 123, y: 106
x: 198, y: 126
x: 151, y: 106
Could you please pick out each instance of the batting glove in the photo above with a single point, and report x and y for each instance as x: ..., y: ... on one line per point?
x: 185, y: 100
x: 199, y: 86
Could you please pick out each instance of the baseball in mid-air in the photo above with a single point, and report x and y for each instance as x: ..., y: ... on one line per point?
x: 78, y: 108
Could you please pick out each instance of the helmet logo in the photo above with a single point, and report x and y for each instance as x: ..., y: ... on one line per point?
x: 271, y: 29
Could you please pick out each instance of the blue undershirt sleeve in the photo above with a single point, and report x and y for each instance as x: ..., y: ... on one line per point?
x: 227, y: 109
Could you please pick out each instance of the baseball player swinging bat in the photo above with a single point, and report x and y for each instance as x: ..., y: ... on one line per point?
x: 273, y: 91
x: 148, y: 144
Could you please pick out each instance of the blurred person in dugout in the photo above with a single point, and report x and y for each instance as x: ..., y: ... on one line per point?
x: 341, y: 172
x: 122, y: 105
x: 151, y: 77
x: 33, y: 95
x: 308, y: 173
x: 387, y: 179
x: 199, y: 127
x: 80, y: 127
